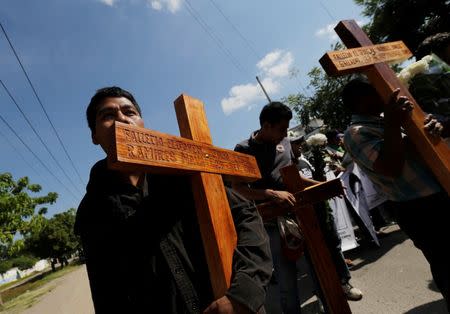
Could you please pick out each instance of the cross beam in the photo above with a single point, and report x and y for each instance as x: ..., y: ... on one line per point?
x: 433, y: 150
x: 194, y: 155
x: 310, y: 195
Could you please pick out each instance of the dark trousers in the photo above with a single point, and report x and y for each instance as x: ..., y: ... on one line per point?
x: 425, y: 221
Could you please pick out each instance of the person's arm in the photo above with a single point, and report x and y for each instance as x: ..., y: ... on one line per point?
x: 252, y: 262
x: 95, y: 240
x: 309, y: 182
x: 100, y: 249
x: 263, y: 194
x: 391, y: 157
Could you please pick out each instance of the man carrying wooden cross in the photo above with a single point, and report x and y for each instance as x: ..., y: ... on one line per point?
x: 272, y: 150
x: 413, y: 171
x: 378, y: 146
x: 141, y: 237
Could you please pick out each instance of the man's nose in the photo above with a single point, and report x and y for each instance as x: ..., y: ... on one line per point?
x: 122, y: 118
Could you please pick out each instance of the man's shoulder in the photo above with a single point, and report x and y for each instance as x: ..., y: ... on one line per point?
x: 243, y: 146
x: 357, y: 130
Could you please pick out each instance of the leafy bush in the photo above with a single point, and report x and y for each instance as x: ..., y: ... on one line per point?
x: 24, y: 262
x: 5, y: 265
x: 21, y: 262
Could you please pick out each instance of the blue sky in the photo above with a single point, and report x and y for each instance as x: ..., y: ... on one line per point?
x: 209, y: 49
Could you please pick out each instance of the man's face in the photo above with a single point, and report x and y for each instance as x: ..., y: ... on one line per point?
x: 371, y: 104
x: 110, y: 110
x: 277, y: 131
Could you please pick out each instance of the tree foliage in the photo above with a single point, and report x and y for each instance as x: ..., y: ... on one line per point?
x: 324, y: 103
x: 18, y: 210
x: 54, y: 238
x: 22, y: 262
x: 408, y: 20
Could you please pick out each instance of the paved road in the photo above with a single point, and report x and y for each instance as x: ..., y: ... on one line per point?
x: 71, y: 296
x: 394, y: 278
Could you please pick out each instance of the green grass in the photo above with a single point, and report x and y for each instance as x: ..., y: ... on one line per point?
x: 12, y: 283
x: 24, y: 296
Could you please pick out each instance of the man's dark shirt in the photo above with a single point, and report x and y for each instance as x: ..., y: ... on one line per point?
x: 270, y: 158
x: 144, y: 251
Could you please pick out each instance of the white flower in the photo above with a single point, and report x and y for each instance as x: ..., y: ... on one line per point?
x: 428, y: 64
x: 318, y: 139
x: 412, y: 70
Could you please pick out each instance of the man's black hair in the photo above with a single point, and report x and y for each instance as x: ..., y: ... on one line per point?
x: 354, y: 90
x: 275, y: 112
x: 100, y: 95
x: 436, y: 44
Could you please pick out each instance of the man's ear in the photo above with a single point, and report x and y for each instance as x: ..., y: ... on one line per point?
x: 94, y: 138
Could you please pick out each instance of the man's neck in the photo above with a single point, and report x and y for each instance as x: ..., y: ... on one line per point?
x: 134, y: 178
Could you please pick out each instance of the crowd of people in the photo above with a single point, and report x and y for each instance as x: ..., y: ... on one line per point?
x: 133, y: 217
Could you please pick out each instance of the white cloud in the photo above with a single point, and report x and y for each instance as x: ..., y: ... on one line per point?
x: 170, y: 5
x: 108, y: 2
x: 156, y: 5
x: 269, y: 59
x: 274, y: 66
x: 328, y: 31
x: 247, y: 95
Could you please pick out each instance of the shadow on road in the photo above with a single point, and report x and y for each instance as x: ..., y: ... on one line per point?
x: 435, y: 307
x: 368, y: 253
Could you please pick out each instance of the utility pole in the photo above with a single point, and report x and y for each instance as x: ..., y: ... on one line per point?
x: 264, y: 90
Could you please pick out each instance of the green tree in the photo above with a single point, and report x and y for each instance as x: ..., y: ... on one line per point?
x: 18, y: 211
x: 54, y: 238
x: 408, y: 20
x: 325, y: 103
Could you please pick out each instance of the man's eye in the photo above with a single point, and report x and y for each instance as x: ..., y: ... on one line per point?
x: 107, y: 116
x: 130, y: 113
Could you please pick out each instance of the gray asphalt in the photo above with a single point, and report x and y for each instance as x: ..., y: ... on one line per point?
x: 394, y: 278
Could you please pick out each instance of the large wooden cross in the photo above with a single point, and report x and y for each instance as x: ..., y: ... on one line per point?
x: 192, y: 154
x: 370, y: 59
x: 330, y: 284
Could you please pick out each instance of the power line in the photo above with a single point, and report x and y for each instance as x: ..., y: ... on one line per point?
x: 333, y: 19
x: 247, y: 42
x: 214, y: 37
x: 40, y: 103
x: 20, y: 154
x: 35, y: 156
x: 37, y: 134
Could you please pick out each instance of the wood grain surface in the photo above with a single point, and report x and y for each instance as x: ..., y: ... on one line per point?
x: 345, y: 61
x: 153, y: 151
